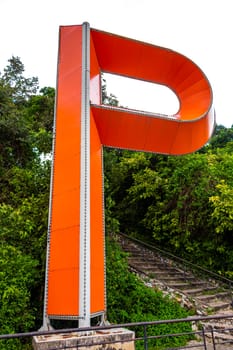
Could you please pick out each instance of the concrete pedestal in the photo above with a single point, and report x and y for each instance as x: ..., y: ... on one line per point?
x: 111, y: 339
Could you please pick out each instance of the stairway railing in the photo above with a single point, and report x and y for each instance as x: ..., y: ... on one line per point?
x: 200, y: 335
x: 185, y: 264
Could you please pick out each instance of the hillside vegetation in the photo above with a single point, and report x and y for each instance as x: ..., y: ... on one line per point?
x: 183, y: 204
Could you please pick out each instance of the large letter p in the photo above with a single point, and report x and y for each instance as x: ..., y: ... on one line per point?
x: 75, y: 273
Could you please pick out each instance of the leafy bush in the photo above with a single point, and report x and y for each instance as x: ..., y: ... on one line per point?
x: 16, y: 279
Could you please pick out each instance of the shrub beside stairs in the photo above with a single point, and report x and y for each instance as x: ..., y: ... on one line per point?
x: 193, y: 287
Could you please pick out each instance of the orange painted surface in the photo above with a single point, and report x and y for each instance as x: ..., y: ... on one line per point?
x: 63, y: 266
x: 97, y: 224
x: 122, y: 128
x: 186, y: 131
x: 97, y: 266
x: 63, y: 282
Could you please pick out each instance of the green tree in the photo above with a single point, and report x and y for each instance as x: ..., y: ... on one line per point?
x: 175, y: 202
x: 25, y: 132
x: 221, y: 137
x: 15, y: 90
x: 20, y: 88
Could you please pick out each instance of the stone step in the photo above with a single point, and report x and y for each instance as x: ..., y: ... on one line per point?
x: 141, y: 260
x: 139, y: 252
x: 165, y: 275
x: 174, y: 279
x: 228, y: 338
x: 142, y: 265
x: 155, y: 264
x: 138, y: 255
x: 143, y: 255
x: 197, y: 291
x: 155, y: 268
x: 219, y: 305
x: 219, y: 325
x: 170, y: 271
x: 183, y: 286
x: 209, y: 297
x: 200, y: 284
x: 178, y: 285
x: 171, y: 275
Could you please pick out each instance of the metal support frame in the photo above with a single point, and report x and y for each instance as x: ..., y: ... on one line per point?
x: 46, y: 321
x: 84, y: 260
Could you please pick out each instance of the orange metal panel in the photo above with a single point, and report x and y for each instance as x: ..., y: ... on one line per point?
x: 97, y: 224
x: 95, y: 79
x: 61, y: 304
x: 63, y: 267
x: 63, y: 273
x: 122, y: 128
x: 97, y: 263
x: 131, y: 58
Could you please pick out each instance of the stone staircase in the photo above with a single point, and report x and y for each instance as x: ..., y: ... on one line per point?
x: 203, y: 295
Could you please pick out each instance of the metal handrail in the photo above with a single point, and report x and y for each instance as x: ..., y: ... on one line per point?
x: 87, y: 330
x: 182, y: 261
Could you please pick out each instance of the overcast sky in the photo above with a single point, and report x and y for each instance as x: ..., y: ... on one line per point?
x: 200, y: 29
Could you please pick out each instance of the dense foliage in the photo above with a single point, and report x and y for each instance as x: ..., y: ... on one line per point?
x: 180, y: 203
x: 25, y: 136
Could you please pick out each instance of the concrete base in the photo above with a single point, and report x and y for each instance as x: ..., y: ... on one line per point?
x: 111, y: 339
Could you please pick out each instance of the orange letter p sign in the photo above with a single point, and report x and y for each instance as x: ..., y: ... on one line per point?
x: 75, y: 273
